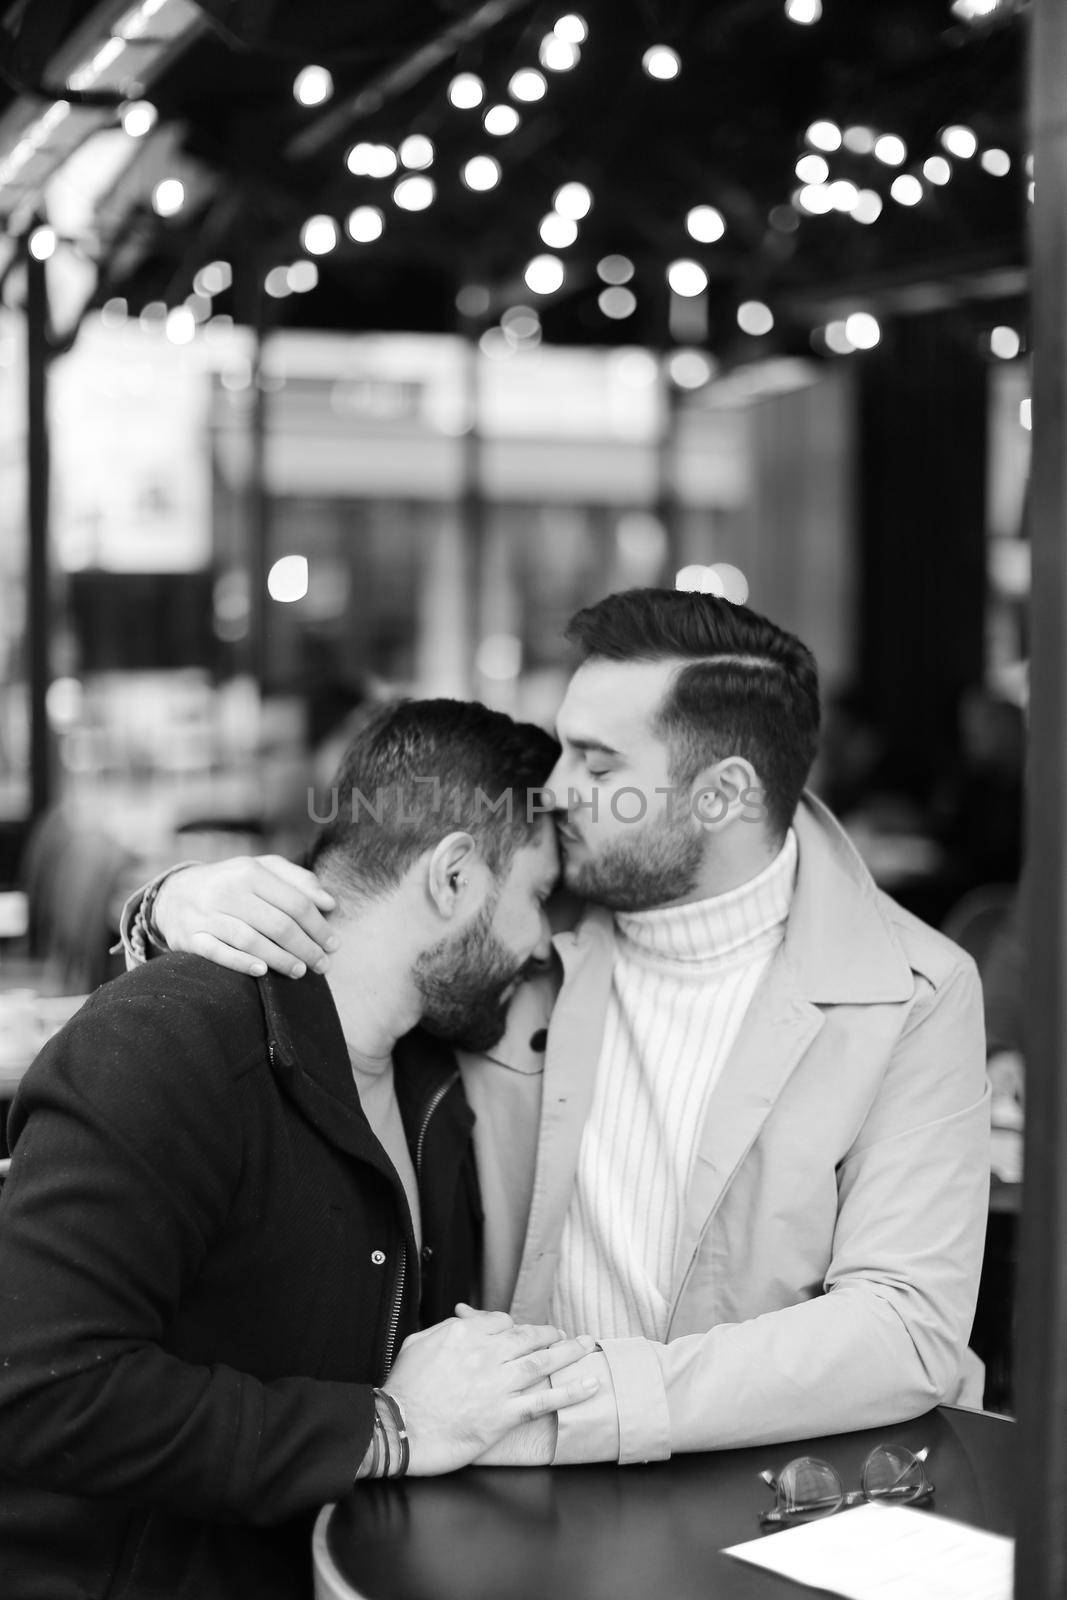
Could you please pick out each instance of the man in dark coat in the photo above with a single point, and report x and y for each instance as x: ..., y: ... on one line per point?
x: 233, y: 1201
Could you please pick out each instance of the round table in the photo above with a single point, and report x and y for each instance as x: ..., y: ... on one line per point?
x: 655, y: 1532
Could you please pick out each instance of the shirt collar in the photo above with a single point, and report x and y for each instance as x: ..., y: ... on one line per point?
x: 722, y: 927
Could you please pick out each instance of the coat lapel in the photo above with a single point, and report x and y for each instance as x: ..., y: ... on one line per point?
x: 838, y: 949
x: 310, y: 1061
x: 571, y: 1061
x: 778, y: 1029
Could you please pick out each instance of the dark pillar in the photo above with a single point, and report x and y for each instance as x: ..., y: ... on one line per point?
x: 38, y: 619
x: 472, y: 511
x: 1041, y: 1382
x: 921, y: 505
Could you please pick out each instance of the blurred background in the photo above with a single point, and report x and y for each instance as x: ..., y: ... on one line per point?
x: 347, y: 350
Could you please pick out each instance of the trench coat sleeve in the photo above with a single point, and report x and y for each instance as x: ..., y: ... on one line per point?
x: 885, y: 1339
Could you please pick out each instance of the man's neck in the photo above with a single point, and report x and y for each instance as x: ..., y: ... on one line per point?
x: 370, y: 979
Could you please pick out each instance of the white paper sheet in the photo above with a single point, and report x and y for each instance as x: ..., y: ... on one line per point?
x: 889, y: 1553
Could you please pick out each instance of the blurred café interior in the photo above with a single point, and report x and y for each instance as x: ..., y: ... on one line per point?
x: 348, y: 350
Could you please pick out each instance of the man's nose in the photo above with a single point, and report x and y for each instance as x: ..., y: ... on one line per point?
x: 542, y: 954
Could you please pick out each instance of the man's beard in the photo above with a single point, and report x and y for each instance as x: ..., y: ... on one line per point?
x: 644, y: 868
x: 463, y: 981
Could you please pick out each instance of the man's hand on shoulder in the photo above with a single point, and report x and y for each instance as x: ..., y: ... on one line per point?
x: 248, y: 913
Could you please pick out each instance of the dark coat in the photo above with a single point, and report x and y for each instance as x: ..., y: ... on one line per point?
x: 206, y: 1260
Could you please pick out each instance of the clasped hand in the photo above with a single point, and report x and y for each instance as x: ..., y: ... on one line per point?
x: 467, y: 1382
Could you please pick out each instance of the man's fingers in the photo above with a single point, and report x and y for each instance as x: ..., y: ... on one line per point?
x: 539, y: 1402
x: 224, y: 955
x: 486, y: 1321
x: 301, y: 879
x: 527, y: 1337
x: 543, y: 1363
x: 242, y: 937
x: 299, y: 895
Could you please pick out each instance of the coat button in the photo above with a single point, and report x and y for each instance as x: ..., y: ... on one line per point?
x: 378, y: 1257
x: 427, y: 1252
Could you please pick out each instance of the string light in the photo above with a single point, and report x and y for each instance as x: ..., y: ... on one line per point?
x: 481, y: 173
x: 466, y: 91
x: 824, y: 136
x: 416, y: 152
x: 313, y: 86
x: 937, y: 170
x: 527, y: 84
x: 705, y: 224
x: 689, y: 369
x: 168, y: 197
x: 365, y: 224
x: 859, y: 140
x: 371, y: 160
x: 138, y: 118
x: 214, y: 278
x: 501, y: 120
x: 615, y: 269
x: 837, y: 339
x: 687, y: 278
x: 42, y: 243
x: 558, y: 55
x: 906, y: 190
x: 862, y: 330
x: 815, y: 199
x: 319, y: 235
x: 415, y: 193
x: 572, y: 200
x: 660, y: 61
x: 891, y: 150
x: 572, y: 28
x: 617, y: 303
x: 277, y: 284
x: 755, y: 318
x: 959, y: 141
x: 1005, y: 343
x: 303, y: 276
x: 843, y: 195
x: 544, y: 274
x: 180, y: 326
x: 996, y: 162
x: 812, y: 169
x: 557, y: 232
x: 804, y: 12
x: 287, y: 580
x: 868, y: 207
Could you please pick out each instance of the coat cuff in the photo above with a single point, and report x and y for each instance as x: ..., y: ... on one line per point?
x: 138, y: 939
x: 628, y: 1419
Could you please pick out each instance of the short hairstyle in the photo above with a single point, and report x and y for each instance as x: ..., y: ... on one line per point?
x: 750, y: 689
x: 418, y: 770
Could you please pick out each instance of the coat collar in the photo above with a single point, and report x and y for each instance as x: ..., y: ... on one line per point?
x: 310, y: 1059
x: 839, y: 945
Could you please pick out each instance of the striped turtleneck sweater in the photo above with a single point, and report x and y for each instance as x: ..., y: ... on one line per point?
x: 682, y: 981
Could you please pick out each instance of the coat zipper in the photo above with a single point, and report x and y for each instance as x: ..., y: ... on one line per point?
x: 398, y: 1293
x: 435, y: 1101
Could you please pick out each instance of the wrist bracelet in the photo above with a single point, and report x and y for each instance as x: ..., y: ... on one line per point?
x: 400, y: 1426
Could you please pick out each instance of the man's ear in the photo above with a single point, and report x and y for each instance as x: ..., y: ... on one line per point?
x: 448, y: 873
x: 722, y: 794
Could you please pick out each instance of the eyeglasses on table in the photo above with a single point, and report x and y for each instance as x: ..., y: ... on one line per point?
x: 807, y: 1488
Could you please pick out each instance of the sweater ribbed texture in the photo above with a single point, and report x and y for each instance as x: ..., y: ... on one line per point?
x: 683, y: 978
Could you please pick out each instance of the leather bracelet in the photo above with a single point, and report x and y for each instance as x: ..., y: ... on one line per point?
x: 400, y: 1426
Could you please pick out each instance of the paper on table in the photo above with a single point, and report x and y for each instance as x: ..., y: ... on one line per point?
x: 889, y: 1553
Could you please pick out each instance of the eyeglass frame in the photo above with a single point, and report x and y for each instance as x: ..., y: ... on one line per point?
x: 798, y: 1515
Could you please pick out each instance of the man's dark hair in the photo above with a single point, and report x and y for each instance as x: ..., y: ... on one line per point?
x: 750, y: 689
x: 418, y: 770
